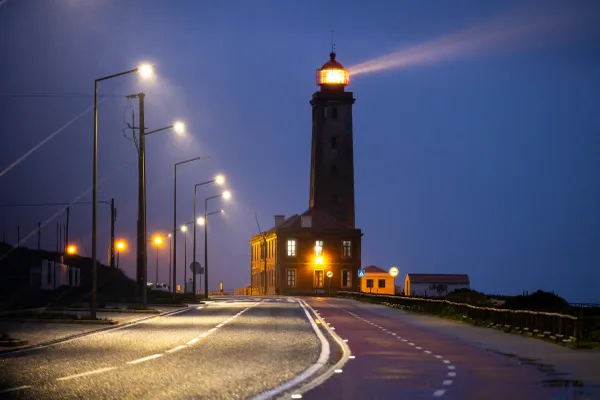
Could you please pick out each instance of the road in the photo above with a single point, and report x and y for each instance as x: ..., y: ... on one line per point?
x: 392, y: 359
x: 224, y: 350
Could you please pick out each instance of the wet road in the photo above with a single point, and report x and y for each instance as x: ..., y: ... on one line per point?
x: 225, y: 350
x: 395, y: 360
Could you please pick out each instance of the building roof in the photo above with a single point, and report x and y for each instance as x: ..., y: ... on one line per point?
x: 374, y: 268
x: 439, y: 278
x: 332, y: 63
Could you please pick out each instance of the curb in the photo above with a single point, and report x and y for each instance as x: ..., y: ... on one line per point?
x: 99, y: 330
x: 62, y: 321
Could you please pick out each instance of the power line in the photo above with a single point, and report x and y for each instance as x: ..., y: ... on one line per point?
x: 50, y: 204
x: 59, y: 95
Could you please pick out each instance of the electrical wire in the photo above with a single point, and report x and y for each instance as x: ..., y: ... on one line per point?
x: 58, y: 95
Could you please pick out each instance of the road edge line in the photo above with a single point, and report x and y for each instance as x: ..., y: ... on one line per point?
x: 310, y: 371
x: 76, y: 336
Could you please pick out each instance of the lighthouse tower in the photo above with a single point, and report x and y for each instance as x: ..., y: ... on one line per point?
x: 332, y: 156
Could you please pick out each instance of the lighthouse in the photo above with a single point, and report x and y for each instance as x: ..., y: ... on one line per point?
x: 319, y: 250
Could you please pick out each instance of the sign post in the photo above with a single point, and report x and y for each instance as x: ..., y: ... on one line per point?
x: 329, y: 275
x: 196, y: 269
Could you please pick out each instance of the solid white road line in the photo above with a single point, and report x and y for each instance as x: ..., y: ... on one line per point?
x: 174, y: 349
x: 439, y: 393
x: 321, y: 361
x: 139, y: 360
x: 96, y: 371
x: 194, y: 340
x: 14, y: 389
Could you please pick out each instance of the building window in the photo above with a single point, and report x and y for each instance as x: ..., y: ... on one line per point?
x: 381, y: 283
x: 334, y: 199
x: 318, y: 248
x: 346, y: 278
x: 334, y: 142
x: 319, y: 279
x: 334, y: 169
x: 291, y: 248
x: 291, y: 278
x: 346, y: 248
x: 369, y: 283
x: 333, y: 112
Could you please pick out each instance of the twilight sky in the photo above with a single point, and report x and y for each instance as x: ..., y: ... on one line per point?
x: 478, y: 153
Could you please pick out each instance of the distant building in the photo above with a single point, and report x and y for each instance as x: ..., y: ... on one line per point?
x: 295, y: 255
x: 53, y: 275
x: 377, y: 281
x: 431, y: 285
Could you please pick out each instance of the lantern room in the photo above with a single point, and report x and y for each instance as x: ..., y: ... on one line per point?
x: 332, y: 76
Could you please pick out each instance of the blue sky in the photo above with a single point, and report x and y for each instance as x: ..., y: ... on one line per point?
x: 484, y: 162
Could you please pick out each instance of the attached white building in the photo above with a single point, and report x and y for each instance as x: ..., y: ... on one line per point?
x: 431, y: 285
x: 53, y: 275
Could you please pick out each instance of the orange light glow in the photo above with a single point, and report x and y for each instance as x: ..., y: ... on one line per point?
x: 71, y: 249
x: 121, y: 245
x: 319, y: 260
x: 333, y: 77
x: 158, y: 240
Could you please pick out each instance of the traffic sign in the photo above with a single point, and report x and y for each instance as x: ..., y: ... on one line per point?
x: 329, y: 274
x: 361, y: 273
x: 196, y: 268
x: 394, y: 271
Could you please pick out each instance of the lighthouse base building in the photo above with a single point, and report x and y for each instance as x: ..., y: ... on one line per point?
x: 318, y: 251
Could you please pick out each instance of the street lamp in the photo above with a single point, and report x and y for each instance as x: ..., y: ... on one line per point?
x: 145, y: 71
x: 178, y: 127
x: 120, y: 245
x: 71, y: 249
x: 394, y: 271
x: 226, y: 195
x: 219, y: 180
x: 170, y: 255
x: 158, y: 241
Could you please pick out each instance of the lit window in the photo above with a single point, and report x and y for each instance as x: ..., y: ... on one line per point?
x: 318, y: 248
x: 347, y: 248
x: 291, y: 248
x: 291, y: 277
x: 346, y: 278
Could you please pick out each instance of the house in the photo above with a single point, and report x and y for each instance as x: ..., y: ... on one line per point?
x: 431, y: 285
x: 377, y: 281
x: 294, y: 257
x: 53, y: 275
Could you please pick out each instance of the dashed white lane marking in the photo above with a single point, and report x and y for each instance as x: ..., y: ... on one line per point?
x: 220, y: 325
x: 446, y: 382
x: 139, y: 360
x: 194, y: 340
x: 174, y: 349
x: 14, y: 389
x: 96, y: 371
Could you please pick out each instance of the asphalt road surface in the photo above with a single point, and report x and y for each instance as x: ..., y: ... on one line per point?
x: 224, y: 350
x: 392, y: 359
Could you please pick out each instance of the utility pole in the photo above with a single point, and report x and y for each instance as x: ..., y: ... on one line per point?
x: 142, y: 267
x: 67, y: 227
x: 39, y: 234
x: 113, y: 218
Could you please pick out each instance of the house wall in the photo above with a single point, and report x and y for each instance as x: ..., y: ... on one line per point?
x: 426, y: 289
x: 390, y: 287
x: 53, y: 275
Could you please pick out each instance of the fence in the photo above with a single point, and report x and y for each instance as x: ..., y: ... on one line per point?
x: 559, y: 327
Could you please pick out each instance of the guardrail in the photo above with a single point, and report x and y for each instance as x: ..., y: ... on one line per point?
x: 558, y: 327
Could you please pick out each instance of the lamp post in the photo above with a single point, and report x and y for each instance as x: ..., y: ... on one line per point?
x: 202, y: 221
x: 394, y: 271
x: 219, y: 180
x: 226, y: 195
x: 184, y: 230
x: 142, y: 267
x: 170, y: 255
x: 144, y: 71
x: 175, y: 221
x: 158, y: 241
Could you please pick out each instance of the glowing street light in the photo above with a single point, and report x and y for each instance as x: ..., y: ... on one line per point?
x: 121, y: 245
x: 227, y: 195
x: 179, y: 127
x: 144, y: 71
x: 220, y: 180
x: 183, y: 228
x: 158, y: 241
x: 200, y: 221
x: 71, y: 249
